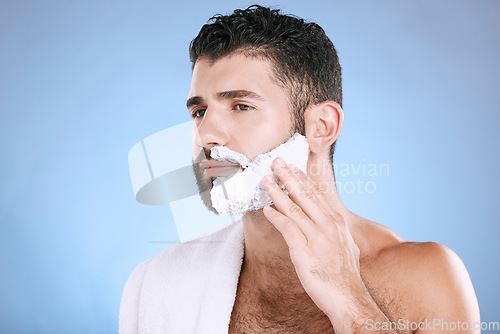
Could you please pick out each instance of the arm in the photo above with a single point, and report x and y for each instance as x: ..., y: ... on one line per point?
x: 326, y: 260
x: 322, y: 250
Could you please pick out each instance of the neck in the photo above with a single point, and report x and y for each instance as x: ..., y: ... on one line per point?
x: 267, y: 263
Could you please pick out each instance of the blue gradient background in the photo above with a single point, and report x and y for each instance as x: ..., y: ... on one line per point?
x: 83, y: 81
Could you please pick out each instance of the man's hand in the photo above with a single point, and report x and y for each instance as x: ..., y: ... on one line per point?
x: 322, y: 249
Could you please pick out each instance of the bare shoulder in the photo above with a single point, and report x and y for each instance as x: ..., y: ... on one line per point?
x: 423, y: 279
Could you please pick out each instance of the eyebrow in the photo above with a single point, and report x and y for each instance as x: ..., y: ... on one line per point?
x: 226, y: 95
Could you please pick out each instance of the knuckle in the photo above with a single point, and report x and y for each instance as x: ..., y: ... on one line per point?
x: 308, y: 194
x: 319, y: 189
x: 331, y: 228
x: 288, y: 185
x: 294, y: 209
x: 337, y: 218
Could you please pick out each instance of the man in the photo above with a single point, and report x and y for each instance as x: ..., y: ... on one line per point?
x: 305, y: 264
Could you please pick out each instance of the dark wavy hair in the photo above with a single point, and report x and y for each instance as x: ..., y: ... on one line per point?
x: 304, y: 59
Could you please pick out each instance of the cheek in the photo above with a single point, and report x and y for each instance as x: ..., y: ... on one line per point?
x: 265, y: 139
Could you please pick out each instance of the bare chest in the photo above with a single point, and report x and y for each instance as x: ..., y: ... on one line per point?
x: 256, y: 312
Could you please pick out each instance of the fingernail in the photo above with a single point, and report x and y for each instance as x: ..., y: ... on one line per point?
x: 269, y: 178
x: 281, y: 162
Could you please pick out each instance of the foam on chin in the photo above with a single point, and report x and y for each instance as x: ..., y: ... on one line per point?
x: 244, y: 191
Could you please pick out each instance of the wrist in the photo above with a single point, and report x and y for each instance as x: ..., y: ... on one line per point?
x: 355, y: 313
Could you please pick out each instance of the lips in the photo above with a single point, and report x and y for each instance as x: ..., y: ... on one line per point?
x: 215, y: 168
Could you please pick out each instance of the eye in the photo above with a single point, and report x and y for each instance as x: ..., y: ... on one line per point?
x: 242, y: 107
x: 198, y: 113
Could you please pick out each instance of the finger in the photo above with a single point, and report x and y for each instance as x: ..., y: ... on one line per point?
x: 321, y: 194
x: 290, y: 231
x: 300, y: 192
x: 286, y: 206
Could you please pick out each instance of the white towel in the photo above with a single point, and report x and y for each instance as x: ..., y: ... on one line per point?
x: 188, y: 288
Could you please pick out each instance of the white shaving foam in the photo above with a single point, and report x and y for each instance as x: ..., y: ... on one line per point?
x: 243, y: 191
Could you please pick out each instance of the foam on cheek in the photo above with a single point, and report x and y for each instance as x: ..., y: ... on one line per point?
x: 244, y: 191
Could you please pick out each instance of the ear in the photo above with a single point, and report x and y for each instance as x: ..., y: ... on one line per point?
x: 323, y: 123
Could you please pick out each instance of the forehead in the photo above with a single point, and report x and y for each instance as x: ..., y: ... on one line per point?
x: 233, y: 72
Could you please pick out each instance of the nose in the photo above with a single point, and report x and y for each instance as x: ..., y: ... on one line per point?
x: 213, y: 129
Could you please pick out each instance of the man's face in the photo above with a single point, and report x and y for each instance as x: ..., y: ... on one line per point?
x: 235, y: 103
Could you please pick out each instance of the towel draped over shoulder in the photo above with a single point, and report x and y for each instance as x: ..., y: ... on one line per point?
x: 188, y: 288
